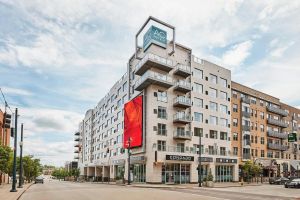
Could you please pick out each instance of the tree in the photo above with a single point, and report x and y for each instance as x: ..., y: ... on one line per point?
x: 5, y: 157
x: 251, y: 170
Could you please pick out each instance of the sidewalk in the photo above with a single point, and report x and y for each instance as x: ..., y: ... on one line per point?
x: 7, y: 195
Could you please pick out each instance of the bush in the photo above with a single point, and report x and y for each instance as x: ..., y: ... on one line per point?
x: 210, y: 177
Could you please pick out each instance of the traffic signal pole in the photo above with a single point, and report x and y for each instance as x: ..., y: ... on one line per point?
x: 21, y: 160
x: 13, y: 189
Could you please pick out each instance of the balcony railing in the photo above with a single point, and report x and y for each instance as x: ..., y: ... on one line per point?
x: 277, y: 147
x: 245, y: 114
x: 183, y: 86
x: 181, y: 117
x: 76, y: 157
x: 246, y: 156
x: 76, y: 151
x: 245, y: 100
x: 271, y: 133
x: 182, y: 101
x: 76, y: 139
x: 76, y: 145
x: 182, y: 70
x: 151, y: 77
x: 246, y: 128
x: 77, y: 133
x: 182, y: 134
x: 277, y: 123
x: 153, y: 61
x: 277, y: 110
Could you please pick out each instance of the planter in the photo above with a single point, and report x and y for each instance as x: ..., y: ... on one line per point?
x: 210, y: 184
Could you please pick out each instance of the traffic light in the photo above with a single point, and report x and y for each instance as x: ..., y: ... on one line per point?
x: 6, y: 120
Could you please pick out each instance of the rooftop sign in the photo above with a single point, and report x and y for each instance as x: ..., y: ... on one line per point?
x: 156, y: 36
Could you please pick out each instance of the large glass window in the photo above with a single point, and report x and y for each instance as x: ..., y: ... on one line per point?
x: 198, y: 117
x: 223, y: 109
x: 162, y: 96
x: 198, y: 73
x: 223, y: 82
x: 198, y: 88
x: 213, y: 106
x: 176, y: 173
x: 223, y: 122
x: 223, y: 135
x: 161, y: 129
x: 213, y: 120
x: 213, y: 134
x: 224, y: 173
x: 161, y: 145
x: 198, y: 131
x: 162, y: 112
x: 223, y: 95
x: 198, y: 102
x: 139, y: 173
x: 213, y: 93
x: 213, y: 78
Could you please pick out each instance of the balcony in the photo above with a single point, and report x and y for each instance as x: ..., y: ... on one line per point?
x: 153, y: 61
x: 245, y: 100
x: 183, y: 70
x: 182, y: 135
x: 183, y: 86
x: 246, y: 156
x: 277, y: 111
x: 76, y: 157
x: 76, y: 145
x: 277, y: 147
x: 76, y: 151
x: 245, y: 114
x: 182, y: 118
x: 182, y: 102
x: 271, y: 133
x: 246, y: 128
x: 177, y: 149
x: 77, y: 133
x: 277, y: 122
x: 76, y: 139
x: 151, y: 77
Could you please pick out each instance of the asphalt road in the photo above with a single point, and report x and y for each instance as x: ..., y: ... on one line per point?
x: 60, y: 190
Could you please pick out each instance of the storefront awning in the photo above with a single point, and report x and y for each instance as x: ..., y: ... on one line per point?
x: 295, y: 164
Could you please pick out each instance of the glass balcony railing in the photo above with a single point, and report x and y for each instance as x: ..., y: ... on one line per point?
x: 151, y: 77
x: 181, y: 117
x: 277, y: 147
x: 182, y: 101
x: 277, y: 122
x: 271, y: 133
x: 151, y: 60
x: 182, y: 134
x: 183, y: 70
x: 276, y: 110
x: 183, y: 86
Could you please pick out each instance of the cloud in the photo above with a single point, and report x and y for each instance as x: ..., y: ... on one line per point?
x: 280, y: 50
x: 16, y: 91
x: 237, y: 54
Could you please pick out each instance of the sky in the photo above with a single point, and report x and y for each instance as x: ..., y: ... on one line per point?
x: 58, y: 58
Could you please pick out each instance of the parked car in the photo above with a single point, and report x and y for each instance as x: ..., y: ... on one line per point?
x: 39, y: 179
x: 294, y: 183
x: 281, y: 181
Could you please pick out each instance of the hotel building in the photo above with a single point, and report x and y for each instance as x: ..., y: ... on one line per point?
x: 187, y: 101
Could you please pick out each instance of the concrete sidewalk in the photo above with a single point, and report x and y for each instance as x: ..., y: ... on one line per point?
x: 7, y: 195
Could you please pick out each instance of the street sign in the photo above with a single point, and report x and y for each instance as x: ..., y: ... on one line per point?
x: 292, y: 137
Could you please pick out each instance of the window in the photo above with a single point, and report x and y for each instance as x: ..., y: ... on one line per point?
x: 270, y: 154
x: 235, y: 151
x: 213, y: 78
x: 161, y: 129
x: 213, y: 134
x: 119, y: 91
x: 124, y: 86
x: 124, y: 99
x: 198, y: 131
x: 223, y: 109
x: 162, y: 96
x: 196, y: 148
x: 262, y: 115
x: 198, y: 88
x: 213, y: 106
x: 222, y: 151
x: 261, y: 102
x: 211, y: 150
x: 235, y: 136
x: 161, y: 145
x: 213, y: 120
x: 198, y: 73
x: 262, y: 153
x: 262, y: 128
x: 223, y: 95
x: 223, y: 136
x: 198, y: 102
x: 162, y: 112
x: 212, y: 92
x: 253, y: 100
x: 198, y: 117
x: 235, y: 122
x: 235, y: 108
x: 262, y: 140
x: 223, y: 82
x: 234, y: 94
x: 223, y: 122
x: 180, y: 147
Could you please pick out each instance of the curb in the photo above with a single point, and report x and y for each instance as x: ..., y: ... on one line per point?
x: 24, y: 191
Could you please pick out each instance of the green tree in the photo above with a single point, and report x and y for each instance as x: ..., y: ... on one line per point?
x: 251, y: 170
x: 5, y: 157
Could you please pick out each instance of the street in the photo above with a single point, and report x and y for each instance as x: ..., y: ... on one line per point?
x: 61, y: 190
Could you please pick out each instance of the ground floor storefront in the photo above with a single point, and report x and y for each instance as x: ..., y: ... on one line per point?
x: 170, y: 169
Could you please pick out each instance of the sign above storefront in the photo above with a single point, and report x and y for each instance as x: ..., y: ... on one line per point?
x: 180, y: 158
x: 156, y: 36
x: 137, y: 159
x: 118, y: 162
x: 226, y: 160
x: 206, y: 159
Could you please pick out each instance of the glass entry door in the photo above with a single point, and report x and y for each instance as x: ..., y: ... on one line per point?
x: 176, y: 173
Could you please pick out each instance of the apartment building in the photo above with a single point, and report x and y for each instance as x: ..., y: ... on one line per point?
x: 260, y: 128
x: 184, y: 99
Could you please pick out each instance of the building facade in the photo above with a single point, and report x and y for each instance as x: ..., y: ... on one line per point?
x: 190, y: 105
x: 260, y: 128
x: 4, y: 141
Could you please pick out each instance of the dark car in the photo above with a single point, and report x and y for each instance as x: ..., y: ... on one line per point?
x: 281, y: 181
x: 295, y: 183
x: 39, y: 180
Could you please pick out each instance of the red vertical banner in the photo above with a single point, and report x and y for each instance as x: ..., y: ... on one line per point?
x: 133, y: 123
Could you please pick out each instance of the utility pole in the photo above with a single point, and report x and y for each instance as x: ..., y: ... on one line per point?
x: 129, y: 161
x: 21, y: 160
x: 13, y: 189
x: 199, y: 164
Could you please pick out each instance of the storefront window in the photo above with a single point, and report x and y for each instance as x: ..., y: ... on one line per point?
x: 224, y: 173
x: 139, y: 173
x: 176, y: 173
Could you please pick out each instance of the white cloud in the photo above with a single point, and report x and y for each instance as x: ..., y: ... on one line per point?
x: 236, y: 55
x: 16, y: 91
x: 279, y: 50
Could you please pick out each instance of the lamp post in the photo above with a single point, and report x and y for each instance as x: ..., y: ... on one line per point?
x: 21, y: 160
x: 199, y: 163
x: 13, y: 188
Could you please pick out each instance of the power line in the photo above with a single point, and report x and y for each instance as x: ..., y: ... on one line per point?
x: 5, y: 102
